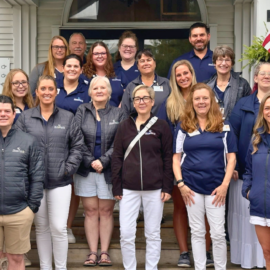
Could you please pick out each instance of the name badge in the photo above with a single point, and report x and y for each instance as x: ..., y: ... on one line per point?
x: 226, y: 128
x: 17, y: 110
x: 194, y: 133
x: 158, y: 88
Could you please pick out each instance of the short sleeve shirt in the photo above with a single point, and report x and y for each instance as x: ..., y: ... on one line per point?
x: 203, y: 162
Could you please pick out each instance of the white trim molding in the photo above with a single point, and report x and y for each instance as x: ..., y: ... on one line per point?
x: 213, y: 33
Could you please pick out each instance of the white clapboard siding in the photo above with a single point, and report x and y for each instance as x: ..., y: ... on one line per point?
x: 221, y: 12
x: 6, y: 31
x: 49, y: 13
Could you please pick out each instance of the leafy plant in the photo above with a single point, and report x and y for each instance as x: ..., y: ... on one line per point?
x: 256, y: 52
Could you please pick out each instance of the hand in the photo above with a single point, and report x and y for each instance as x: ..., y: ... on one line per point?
x: 165, y: 196
x: 187, y: 195
x: 220, y: 197
x: 235, y: 175
x: 97, y: 166
x: 119, y: 198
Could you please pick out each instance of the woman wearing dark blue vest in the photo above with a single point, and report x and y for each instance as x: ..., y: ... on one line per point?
x: 203, y: 165
x: 61, y: 142
x: 245, y: 248
x: 99, y: 63
x: 125, y: 66
x: 98, y: 121
x: 257, y: 178
x: 17, y: 87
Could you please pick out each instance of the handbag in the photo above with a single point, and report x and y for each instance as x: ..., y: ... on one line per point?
x: 152, y: 121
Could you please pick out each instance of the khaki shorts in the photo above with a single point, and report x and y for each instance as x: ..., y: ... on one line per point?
x: 15, y: 231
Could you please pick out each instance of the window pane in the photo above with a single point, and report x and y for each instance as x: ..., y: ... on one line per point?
x: 165, y: 51
x: 134, y: 10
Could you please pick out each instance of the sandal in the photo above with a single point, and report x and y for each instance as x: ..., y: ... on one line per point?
x: 91, y: 262
x: 104, y: 262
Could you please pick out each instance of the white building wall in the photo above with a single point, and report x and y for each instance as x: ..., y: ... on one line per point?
x: 260, y: 17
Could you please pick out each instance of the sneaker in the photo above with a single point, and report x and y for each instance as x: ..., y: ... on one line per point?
x: 27, y: 262
x: 209, y: 261
x: 116, y: 207
x: 184, y: 260
x: 71, y: 237
x: 4, y: 263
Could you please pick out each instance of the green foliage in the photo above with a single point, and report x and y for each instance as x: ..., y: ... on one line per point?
x: 255, y: 53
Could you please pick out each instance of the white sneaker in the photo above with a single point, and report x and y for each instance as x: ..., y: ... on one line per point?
x: 27, y: 262
x: 4, y: 263
x: 116, y: 207
x: 71, y: 237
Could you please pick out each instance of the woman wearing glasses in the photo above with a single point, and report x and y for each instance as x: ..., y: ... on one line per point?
x: 245, y: 247
x: 99, y: 63
x: 16, y: 87
x: 125, y: 66
x: 58, y: 50
x: 147, y: 67
x: 227, y: 85
x: 143, y: 176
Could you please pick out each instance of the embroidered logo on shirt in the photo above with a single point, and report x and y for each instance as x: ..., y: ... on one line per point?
x: 211, y: 64
x: 136, y: 70
x: 86, y: 82
x: 115, y: 79
x: 114, y: 122
x: 58, y: 91
x: 18, y: 150
x: 78, y: 99
x: 59, y: 127
x: 150, y: 132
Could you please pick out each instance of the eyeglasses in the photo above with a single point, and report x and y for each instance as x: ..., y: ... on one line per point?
x: 59, y: 47
x: 227, y: 61
x: 101, y: 54
x: 263, y: 73
x: 144, y: 99
x: 17, y: 84
x: 132, y: 47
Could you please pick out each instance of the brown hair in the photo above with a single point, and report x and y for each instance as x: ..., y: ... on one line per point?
x: 261, y: 124
x: 175, y: 104
x: 49, y: 65
x: 214, y: 116
x: 40, y: 79
x: 126, y: 34
x: 7, y: 88
x: 223, y: 51
x: 89, y: 68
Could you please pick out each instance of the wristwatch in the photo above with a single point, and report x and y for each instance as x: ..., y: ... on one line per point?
x: 179, y: 181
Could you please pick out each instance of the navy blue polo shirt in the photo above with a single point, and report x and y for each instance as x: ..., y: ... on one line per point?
x: 203, y: 163
x: 204, y: 68
x: 18, y: 112
x: 126, y: 76
x: 73, y: 100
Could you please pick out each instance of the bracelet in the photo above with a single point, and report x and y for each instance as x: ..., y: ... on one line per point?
x: 179, y: 181
x: 181, y: 186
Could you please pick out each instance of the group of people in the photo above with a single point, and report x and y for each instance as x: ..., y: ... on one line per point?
x: 82, y: 128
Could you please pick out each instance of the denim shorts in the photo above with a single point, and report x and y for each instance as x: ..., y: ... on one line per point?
x: 93, y: 185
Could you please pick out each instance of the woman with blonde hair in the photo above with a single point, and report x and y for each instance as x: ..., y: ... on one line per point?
x: 58, y: 50
x: 99, y: 63
x: 17, y: 87
x: 257, y: 178
x: 203, y: 163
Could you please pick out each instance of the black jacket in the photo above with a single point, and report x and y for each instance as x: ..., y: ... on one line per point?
x: 21, y: 173
x: 149, y: 164
x: 110, y: 118
x: 60, y: 141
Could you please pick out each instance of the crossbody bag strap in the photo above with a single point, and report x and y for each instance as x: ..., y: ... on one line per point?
x: 142, y: 132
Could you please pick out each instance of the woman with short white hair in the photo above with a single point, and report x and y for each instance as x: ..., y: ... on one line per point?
x: 98, y: 121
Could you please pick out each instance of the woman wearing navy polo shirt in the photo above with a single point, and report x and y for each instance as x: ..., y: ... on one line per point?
x: 257, y: 178
x: 99, y: 63
x: 17, y: 87
x: 125, y: 66
x: 204, y: 148
x: 72, y: 88
x: 245, y: 248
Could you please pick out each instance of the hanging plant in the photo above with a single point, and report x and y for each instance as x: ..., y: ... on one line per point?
x: 256, y: 52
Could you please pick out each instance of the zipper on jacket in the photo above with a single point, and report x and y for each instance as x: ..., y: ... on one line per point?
x: 3, y: 177
x: 265, y: 181
x: 46, y: 150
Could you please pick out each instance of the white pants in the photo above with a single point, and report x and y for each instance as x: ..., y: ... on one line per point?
x: 51, y: 228
x: 216, y: 218
x: 128, y: 212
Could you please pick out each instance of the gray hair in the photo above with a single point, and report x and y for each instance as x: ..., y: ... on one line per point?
x: 104, y: 79
x: 149, y: 90
x: 77, y: 33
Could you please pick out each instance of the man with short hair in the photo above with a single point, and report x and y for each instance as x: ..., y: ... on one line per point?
x: 21, y: 186
x: 200, y: 57
x: 77, y: 45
